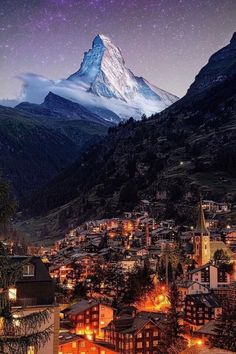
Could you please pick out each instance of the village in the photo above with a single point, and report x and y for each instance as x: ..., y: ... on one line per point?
x: 111, y: 283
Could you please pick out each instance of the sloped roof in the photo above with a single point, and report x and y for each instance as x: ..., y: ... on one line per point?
x: 208, y: 328
x: 80, y: 306
x: 208, y: 300
x: 128, y: 324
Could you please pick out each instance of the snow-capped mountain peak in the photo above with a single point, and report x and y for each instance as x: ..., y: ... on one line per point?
x: 103, y: 67
x: 103, y: 70
x: 104, y: 85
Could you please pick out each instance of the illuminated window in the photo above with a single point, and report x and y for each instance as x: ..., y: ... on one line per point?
x: 139, y: 345
x: 30, y: 350
x: 12, y: 294
x: 82, y: 344
x: 28, y: 270
x: 139, y: 335
x: 74, y: 344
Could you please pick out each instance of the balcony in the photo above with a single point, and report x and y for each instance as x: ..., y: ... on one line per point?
x: 33, y: 301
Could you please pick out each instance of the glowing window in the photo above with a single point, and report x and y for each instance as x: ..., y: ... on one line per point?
x: 30, y: 350
x: 12, y: 294
x: 28, y: 270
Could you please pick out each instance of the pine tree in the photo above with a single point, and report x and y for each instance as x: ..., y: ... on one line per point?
x: 18, y: 331
x: 138, y: 284
x: 172, y: 333
x: 7, y: 204
x: 225, y: 329
x: 114, y: 281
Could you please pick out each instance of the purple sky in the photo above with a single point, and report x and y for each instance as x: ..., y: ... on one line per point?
x: 166, y: 41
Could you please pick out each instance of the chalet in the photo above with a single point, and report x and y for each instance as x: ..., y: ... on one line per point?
x: 134, y: 334
x: 89, y: 317
x: 200, y: 309
x: 74, y: 344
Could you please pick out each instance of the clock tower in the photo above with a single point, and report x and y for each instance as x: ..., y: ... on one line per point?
x: 201, y: 240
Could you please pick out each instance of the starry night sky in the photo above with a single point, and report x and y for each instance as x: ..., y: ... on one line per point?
x: 166, y: 41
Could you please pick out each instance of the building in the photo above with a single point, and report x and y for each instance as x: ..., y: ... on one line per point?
x: 70, y: 343
x: 200, y: 309
x: 62, y: 271
x: 215, y: 207
x: 34, y: 292
x: 231, y: 240
x: 89, y: 317
x: 133, y: 334
x: 210, y: 276
x: 201, y: 240
x: 190, y: 287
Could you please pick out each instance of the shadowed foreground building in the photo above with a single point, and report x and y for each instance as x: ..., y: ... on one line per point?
x: 34, y: 292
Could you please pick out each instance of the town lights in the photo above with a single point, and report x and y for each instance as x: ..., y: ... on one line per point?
x: 199, y: 342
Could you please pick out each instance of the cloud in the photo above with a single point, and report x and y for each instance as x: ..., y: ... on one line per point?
x: 36, y: 87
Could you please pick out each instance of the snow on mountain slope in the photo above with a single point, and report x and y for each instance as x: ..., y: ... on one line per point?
x: 103, y: 71
x: 103, y: 84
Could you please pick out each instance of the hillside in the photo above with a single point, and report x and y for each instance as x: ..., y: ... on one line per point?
x: 188, y: 149
x: 34, y: 148
x: 183, y: 154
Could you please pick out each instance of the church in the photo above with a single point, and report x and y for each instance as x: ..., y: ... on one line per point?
x: 204, y: 248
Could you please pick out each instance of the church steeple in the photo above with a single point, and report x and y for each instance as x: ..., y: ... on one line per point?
x: 201, y: 223
x: 201, y: 239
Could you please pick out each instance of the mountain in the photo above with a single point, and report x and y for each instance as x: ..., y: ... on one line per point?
x: 38, y: 141
x: 30, y: 152
x: 103, y: 73
x: 103, y: 85
x: 57, y: 107
x: 221, y: 66
x: 189, y: 148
